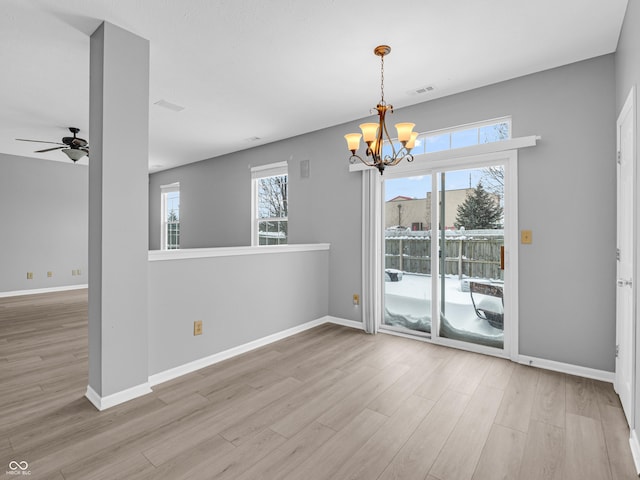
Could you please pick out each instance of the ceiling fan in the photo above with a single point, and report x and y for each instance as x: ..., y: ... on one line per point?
x: 74, y: 147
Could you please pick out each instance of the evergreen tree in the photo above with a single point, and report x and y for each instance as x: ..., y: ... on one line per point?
x: 480, y: 210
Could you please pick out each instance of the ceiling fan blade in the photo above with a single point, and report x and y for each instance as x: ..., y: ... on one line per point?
x: 38, y: 141
x: 49, y: 149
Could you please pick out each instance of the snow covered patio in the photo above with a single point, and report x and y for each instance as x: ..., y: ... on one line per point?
x: 408, y: 305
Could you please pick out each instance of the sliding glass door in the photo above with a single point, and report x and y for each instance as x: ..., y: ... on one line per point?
x: 471, y: 245
x: 407, y: 259
x: 448, y: 246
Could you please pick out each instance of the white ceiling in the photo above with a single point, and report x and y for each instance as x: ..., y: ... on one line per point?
x: 277, y: 68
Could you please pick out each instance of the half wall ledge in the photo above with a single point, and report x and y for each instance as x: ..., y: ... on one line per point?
x: 161, y: 255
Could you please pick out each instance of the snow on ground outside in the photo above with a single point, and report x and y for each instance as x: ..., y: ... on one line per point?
x: 410, y: 300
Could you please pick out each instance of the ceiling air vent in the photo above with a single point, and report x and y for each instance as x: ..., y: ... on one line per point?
x: 421, y: 90
x: 169, y: 106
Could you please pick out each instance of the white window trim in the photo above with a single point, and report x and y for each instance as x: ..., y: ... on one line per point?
x: 164, y: 189
x: 262, y: 171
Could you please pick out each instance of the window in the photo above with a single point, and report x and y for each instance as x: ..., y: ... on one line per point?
x: 269, y: 204
x: 458, y: 137
x: 170, y: 205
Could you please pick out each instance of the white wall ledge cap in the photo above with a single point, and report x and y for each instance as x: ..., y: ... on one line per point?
x: 182, y: 254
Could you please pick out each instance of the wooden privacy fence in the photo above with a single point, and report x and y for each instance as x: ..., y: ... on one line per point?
x: 475, y: 253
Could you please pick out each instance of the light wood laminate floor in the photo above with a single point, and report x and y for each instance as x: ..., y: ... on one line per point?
x: 329, y: 403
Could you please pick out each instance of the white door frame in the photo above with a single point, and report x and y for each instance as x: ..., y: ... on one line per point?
x: 509, y: 159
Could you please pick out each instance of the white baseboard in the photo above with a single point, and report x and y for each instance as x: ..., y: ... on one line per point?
x: 525, y: 360
x: 190, y: 367
x: 102, y: 403
x: 170, y: 374
x: 635, y: 450
x: 35, y: 291
x: 567, y: 368
x: 344, y: 322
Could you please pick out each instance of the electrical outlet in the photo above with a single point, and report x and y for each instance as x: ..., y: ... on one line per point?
x: 78, y: 272
x: 356, y: 299
x: 49, y: 274
x: 29, y: 275
x: 197, y: 327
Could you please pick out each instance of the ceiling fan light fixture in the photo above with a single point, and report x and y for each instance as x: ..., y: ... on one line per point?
x: 74, y: 147
x: 74, y: 154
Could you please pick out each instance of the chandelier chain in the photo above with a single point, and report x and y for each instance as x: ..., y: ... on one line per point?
x: 382, y: 80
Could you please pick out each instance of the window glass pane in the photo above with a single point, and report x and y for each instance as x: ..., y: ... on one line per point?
x: 173, y: 236
x: 471, y: 280
x: 271, y: 207
x: 494, y: 133
x: 272, y: 232
x: 173, y: 206
x: 262, y: 229
x: 456, y: 138
x: 272, y: 197
x: 464, y: 138
x: 436, y: 143
x: 419, y: 146
x: 171, y: 216
x: 282, y: 232
x: 387, y: 151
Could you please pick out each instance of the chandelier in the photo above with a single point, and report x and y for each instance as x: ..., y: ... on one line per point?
x: 376, y: 134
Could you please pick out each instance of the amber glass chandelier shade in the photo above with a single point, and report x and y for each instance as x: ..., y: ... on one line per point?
x: 412, y: 141
x: 353, y: 140
x: 369, y: 131
x: 404, y: 131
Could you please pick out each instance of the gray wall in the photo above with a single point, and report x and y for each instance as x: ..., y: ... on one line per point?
x: 215, y: 205
x: 44, y: 206
x: 627, y: 58
x: 566, y: 196
x: 239, y: 299
x: 627, y: 63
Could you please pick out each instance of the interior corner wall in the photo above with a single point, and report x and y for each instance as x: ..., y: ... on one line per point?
x: 45, y: 209
x: 566, y: 196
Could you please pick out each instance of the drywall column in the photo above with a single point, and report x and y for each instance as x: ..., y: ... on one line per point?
x: 118, y: 216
